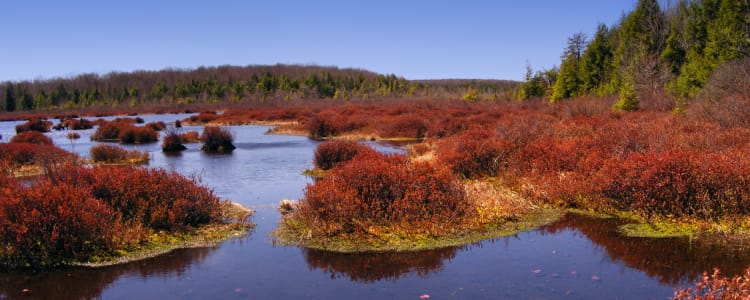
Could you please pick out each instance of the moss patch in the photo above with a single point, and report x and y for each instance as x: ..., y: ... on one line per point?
x: 294, y: 233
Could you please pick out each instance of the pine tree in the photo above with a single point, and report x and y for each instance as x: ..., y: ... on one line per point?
x: 10, y: 98
x: 569, y: 82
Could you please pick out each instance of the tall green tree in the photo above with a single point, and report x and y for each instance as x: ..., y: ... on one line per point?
x: 10, y: 97
x: 596, y: 63
x: 569, y: 83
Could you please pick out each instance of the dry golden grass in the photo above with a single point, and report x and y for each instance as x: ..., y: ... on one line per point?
x: 494, y: 202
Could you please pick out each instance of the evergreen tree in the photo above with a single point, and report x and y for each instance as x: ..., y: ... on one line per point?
x: 596, y: 61
x: 569, y: 80
x: 10, y: 98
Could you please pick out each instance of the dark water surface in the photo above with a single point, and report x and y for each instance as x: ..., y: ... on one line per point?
x: 576, y: 258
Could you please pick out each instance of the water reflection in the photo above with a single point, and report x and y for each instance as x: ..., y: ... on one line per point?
x: 89, y: 283
x: 371, y: 267
x: 672, y: 261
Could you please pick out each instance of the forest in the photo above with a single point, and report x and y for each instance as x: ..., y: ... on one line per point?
x: 236, y: 85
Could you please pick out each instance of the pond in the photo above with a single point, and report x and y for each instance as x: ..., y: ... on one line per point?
x: 577, y: 257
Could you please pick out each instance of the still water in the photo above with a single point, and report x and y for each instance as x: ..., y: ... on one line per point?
x: 575, y: 258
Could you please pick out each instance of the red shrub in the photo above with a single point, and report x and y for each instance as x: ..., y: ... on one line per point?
x: 217, y: 139
x: 407, y: 126
x: 34, y: 125
x: 172, y: 141
x: 156, y: 126
x: 203, y: 117
x: 49, y: 223
x: 156, y: 198
x: 377, y: 189
x: 31, y: 137
x: 109, y: 131
x: 322, y: 126
x: 138, y: 135
x: 28, y: 154
x: 474, y: 154
x: 190, y: 137
x: 115, y: 154
x: 329, y: 154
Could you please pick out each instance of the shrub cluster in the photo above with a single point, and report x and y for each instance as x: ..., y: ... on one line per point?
x: 172, y: 141
x: 124, y: 132
x: 77, y: 212
x: 474, y: 154
x: 374, y: 189
x: 116, y: 155
x: 32, y: 137
x: 74, y: 124
x: 332, y: 153
x: 34, y: 125
x: 21, y: 154
x: 217, y: 139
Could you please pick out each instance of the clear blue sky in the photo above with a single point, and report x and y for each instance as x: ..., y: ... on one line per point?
x: 416, y: 39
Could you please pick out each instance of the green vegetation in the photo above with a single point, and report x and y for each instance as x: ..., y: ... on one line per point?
x: 255, y: 85
x: 650, y: 51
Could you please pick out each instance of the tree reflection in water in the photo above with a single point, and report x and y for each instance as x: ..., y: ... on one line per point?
x: 371, y: 267
x: 89, y: 283
x: 670, y: 260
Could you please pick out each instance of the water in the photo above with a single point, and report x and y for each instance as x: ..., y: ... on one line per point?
x: 575, y: 258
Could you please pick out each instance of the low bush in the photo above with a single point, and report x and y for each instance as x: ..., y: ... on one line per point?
x: 74, y: 124
x: 329, y: 154
x: 116, y: 155
x: 156, y: 126
x: 109, y: 131
x: 47, y: 223
x: 374, y: 189
x: 138, y: 135
x: 31, y: 137
x: 79, y: 213
x: 155, y: 198
x: 172, y: 141
x: 34, y: 125
x: 190, y: 137
x: 407, y: 126
x: 19, y: 154
x: 203, y: 117
x: 321, y: 126
x: 217, y: 139
x: 473, y: 154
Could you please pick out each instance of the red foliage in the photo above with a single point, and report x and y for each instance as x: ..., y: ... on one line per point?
x: 329, y: 154
x: 29, y: 154
x: 377, y: 189
x: 156, y: 126
x: 217, y: 139
x: 203, y: 117
x: 48, y: 223
x: 322, y: 125
x: 31, y: 137
x: 34, y: 125
x: 114, y: 154
x: 475, y: 153
x: 172, y: 141
x: 715, y: 286
x: 109, y: 131
x: 156, y: 198
x: 407, y: 126
x: 138, y: 135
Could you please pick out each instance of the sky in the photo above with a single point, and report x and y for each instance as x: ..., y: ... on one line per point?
x: 416, y: 39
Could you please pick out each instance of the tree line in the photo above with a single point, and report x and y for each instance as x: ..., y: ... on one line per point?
x: 650, y: 50
x: 229, y: 84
